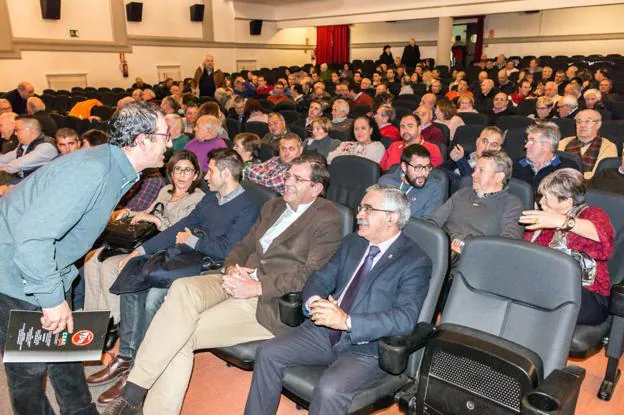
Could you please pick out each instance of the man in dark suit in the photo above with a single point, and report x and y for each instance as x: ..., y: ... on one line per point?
x: 294, y: 236
x: 411, y: 54
x: 374, y: 286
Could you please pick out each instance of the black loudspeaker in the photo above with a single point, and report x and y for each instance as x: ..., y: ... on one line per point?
x: 197, y: 13
x: 134, y: 11
x: 255, y: 27
x: 51, y: 9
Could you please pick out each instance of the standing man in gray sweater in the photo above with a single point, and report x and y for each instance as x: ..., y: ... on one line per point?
x: 486, y: 209
x: 49, y: 221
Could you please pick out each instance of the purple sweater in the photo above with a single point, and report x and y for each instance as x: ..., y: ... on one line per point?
x: 202, y: 148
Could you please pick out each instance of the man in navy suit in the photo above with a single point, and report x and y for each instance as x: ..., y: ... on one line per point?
x: 374, y: 286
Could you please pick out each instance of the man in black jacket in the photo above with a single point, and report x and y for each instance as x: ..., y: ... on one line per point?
x: 18, y: 97
x: 411, y: 54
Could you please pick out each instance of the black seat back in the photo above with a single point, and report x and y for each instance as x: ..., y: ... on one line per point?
x: 531, y: 298
x: 608, y: 163
x: 350, y: 176
x: 473, y: 118
x: 513, y: 121
x: 435, y: 243
x: 466, y: 136
x: 258, y: 193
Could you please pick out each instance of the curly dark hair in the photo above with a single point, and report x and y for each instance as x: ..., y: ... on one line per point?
x: 130, y: 121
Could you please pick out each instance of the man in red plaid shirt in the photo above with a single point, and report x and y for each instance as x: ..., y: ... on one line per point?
x: 271, y: 173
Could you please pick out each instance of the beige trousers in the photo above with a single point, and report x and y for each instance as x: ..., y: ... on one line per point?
x: 197, y: 314
x: 99, y: 276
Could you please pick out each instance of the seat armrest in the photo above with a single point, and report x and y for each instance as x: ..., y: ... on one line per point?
x: 616, y: 300
x: 394, y: 351
x: 291, y: 309
x: 557, y: 394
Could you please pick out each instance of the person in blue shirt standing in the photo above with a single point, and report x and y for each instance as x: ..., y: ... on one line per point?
x: 47, y: 223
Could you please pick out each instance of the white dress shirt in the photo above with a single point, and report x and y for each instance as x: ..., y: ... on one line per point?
x: 281, y: 224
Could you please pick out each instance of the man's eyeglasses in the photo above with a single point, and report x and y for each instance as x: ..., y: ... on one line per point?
x: 494, y: 145
x: 166, y: 136
x: 420, y: 169
x: 586, y: 122
x: 183, y: 170
x: 368, y: 209
x: 288, y: 176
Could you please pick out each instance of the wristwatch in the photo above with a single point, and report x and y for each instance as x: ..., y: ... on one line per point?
x: 569, y: 224
x: 348, y: 323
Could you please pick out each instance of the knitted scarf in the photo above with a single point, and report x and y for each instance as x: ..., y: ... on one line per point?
x: 591, y: 154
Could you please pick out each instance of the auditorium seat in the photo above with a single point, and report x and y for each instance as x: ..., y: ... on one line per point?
x: 588, y: 340
x: 103, y: 111
x: 567, y: 126
x: 471, y: 118
x: 500, y: 347
x: 507, y: 122
x: 466, y: 136
x: 515, y: 140
x: 608, y: 163
x: 256, y: 127
x: 349, y: 177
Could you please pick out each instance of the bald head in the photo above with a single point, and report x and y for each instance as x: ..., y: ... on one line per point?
x: 207, y: 127
x: 34, y: 104
x: 429, y: 100
x: 124, y: 101
x: 25, y: 89
x: 7, y: 124
x: 209, y: 62
x: 486, y: 86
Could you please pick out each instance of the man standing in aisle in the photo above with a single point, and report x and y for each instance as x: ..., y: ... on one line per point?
x: 47, y: 224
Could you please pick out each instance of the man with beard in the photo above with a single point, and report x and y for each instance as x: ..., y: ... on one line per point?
x: 412, y: 178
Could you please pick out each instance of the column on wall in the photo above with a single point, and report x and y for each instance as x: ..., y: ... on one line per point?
x: 445, y: 34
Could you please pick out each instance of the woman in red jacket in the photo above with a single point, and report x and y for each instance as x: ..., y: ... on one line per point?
x: 568, y: 224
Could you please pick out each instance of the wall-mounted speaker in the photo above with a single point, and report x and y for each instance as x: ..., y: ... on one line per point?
x: 50, y: 9
x: 255, y: 27
x: 134, y: 11
x: 197, y: 13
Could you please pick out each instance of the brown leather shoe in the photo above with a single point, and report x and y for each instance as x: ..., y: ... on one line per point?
x: 113, y: 369
x: 114, y: 391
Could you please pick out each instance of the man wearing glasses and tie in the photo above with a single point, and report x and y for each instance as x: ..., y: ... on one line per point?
x: 374, y: 286
x: 47, y: 224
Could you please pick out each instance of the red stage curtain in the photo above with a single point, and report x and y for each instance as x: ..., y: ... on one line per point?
x: 332, y: 44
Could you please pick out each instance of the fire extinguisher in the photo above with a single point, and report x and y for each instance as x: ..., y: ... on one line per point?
x: 123, y: 64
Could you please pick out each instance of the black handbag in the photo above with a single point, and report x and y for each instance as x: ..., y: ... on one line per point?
x: 122, y: 237
x: 162, y: 268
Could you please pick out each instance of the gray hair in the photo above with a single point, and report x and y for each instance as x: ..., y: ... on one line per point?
x: 128, y: 122
x: 502, y: 161
x: 569, y: 100
x: 548, y: 131
x: 564, y: 184
x: 342, y: 105
x: 395, y: 201
x: 593, y: 91
x: 175, y: 119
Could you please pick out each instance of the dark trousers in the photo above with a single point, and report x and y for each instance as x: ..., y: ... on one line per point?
x: 309, y: 345
x: 27, y: 381
x: 137, y: 312
x: 594, y: 308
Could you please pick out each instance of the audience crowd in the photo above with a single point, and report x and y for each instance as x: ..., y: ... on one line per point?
x: 421, y: 128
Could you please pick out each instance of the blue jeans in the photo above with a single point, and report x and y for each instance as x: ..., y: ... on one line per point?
x: 27, y: 380
x: 137, y: 311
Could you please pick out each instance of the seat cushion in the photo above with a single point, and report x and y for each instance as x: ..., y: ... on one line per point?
x: 301, y: 380
x: 241, y: 355
x: 587, y: 340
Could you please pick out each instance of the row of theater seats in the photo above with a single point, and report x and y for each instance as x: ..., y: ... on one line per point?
x: 500, y: 347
